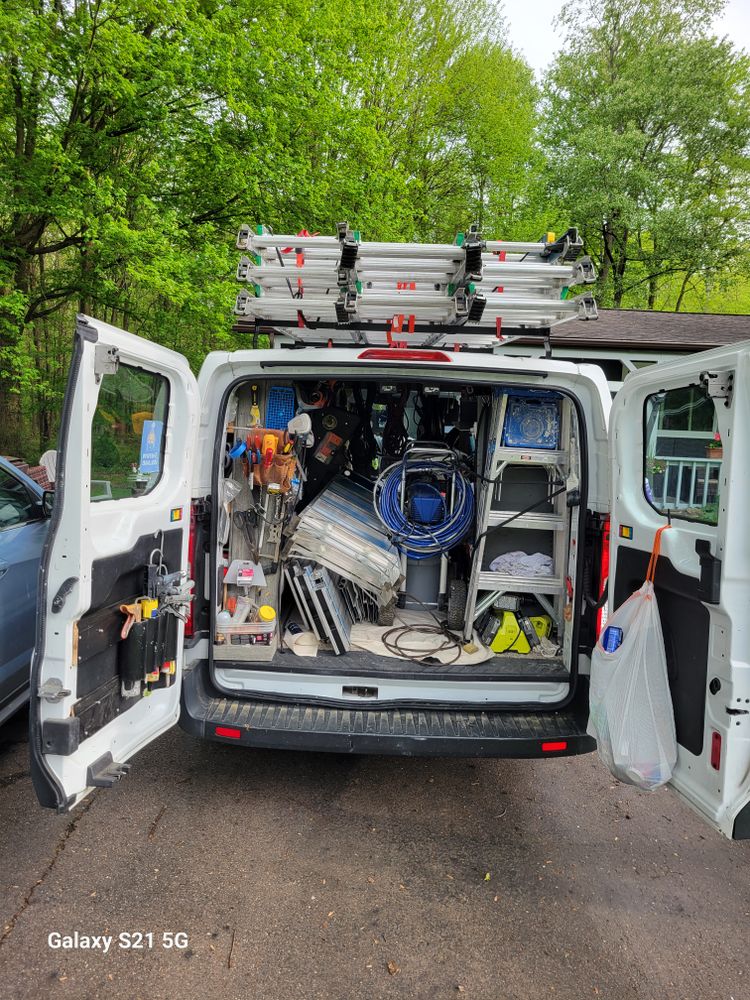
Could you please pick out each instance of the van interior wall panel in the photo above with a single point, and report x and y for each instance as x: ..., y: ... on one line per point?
x: 201, y: 553
x: 115, y: 580
x: 685, y: 622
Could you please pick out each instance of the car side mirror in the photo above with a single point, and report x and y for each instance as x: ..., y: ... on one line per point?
x: 48, y: 502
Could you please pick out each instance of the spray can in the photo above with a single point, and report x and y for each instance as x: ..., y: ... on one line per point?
x: 612, y: 638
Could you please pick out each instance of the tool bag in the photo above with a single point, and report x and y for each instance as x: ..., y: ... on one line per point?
x: 630, y: 705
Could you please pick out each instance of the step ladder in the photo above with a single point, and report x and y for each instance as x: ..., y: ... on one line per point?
x: 343, y: 290
x: 499, y: 458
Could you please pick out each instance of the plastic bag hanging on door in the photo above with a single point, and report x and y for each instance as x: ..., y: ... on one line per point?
x: 630, y: 705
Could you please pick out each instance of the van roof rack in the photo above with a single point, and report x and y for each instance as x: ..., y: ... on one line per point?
x: 342, y: 290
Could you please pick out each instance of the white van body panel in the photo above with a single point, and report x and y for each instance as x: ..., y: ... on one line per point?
x: 587, y: 383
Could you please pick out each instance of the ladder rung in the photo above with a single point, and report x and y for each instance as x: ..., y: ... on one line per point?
x: 520, y: 584
x: 532, y: 520
x: 530, y: 456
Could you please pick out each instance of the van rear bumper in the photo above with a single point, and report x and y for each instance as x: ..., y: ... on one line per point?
x: 408, y: 732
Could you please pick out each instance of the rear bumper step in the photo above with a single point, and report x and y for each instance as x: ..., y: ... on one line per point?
x: 208, y: 714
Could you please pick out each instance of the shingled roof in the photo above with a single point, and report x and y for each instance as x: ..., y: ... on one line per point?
x: 654, y: 330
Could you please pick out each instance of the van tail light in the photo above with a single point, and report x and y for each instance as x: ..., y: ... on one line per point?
x: 554, y: 746
x: 189, y: 621
x: 402, y: 354
x: 603, y: 612
x: 715, y: 750
x: 229, y: 732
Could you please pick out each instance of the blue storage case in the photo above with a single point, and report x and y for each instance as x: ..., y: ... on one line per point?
x: 532, y: 420
x: 280, y: 407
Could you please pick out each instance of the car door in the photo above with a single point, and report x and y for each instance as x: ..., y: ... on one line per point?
x: 679, y: 456
x: 23, y: 527
x: 103, y: 684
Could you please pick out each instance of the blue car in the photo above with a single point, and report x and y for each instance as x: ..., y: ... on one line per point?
x: 24, y: 512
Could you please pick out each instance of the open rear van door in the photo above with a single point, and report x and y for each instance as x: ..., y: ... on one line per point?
x: 113, y: 586
x: 679, y: 452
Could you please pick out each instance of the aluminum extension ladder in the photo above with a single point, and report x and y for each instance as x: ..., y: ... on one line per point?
x: 343, y: 290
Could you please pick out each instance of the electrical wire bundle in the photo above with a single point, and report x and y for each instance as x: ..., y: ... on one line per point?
x: 419, y: 540
x: 394, y: 639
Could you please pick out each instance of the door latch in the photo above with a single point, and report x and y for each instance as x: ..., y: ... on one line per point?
x: 53, y: 690
x: 106, y: 361
x: 718, y: 385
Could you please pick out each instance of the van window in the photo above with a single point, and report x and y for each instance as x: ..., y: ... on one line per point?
x: 127, y: 434
x: 683, y: 454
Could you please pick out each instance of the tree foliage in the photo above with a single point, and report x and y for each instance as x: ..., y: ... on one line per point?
x: 647, y: 129
x: 136, y: 135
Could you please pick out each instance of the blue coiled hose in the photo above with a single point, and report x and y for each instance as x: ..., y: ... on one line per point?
x: 420, y: 541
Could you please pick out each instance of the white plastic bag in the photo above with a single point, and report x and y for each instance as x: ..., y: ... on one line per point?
x: 630, y: 705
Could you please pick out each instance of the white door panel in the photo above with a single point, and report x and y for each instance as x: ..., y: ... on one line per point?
x: 129, y: 424
x: 661, y: 432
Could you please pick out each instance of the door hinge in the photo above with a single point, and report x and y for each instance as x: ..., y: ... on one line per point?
x: 105, y: 772
x: 718, y: 385
x: 202, y: 509
x: 53, y: 690
x: 106, y: 361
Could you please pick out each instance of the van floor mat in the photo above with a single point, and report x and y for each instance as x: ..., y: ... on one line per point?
x: 359, y: 663
x: 402, y: 731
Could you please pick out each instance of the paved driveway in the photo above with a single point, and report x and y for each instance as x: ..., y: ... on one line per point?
x: 304, y: 876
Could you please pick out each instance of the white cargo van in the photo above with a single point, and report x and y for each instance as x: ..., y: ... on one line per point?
x: 146, y: 452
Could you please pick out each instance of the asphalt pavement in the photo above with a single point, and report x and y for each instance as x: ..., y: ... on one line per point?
x: 325, y: 876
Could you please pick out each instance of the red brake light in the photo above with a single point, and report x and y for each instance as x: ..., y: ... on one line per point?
x: 554, y: 746
x: 402, y: 354
x: 716, y: 750
x: 229, y: 732
x: 603, y: 612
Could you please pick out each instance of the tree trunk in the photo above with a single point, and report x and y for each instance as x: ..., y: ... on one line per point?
x: 652, y: 291
x: 621, y: 263
x: 683, y: 289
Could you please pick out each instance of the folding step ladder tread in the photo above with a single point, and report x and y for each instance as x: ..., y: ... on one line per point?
x: 532, y: 520
x: 489, y: 580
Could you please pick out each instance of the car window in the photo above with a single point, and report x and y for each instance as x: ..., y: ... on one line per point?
x: 127, y: 433
x: 683, y: 454
x: 17, y: 505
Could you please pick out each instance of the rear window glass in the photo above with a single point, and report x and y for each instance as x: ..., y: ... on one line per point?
x: 127, y: 434
x: 683, y: 454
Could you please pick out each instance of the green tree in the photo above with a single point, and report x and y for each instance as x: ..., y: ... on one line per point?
x: 136, y: 136
x: 647, y: 128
